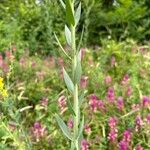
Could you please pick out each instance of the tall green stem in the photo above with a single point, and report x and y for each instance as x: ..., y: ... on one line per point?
x: 75, y: 94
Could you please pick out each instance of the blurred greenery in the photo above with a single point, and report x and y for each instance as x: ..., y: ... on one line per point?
x: 30, y: 24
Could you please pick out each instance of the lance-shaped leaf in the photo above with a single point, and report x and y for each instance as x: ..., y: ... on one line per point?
x: 70, y: 107
x: 78, y: 14
x: 81, y: 128
x: 68, y: 35
x: 81, y: 98
x: 68, y: 81
x: 78, y: 70
x: 61, y: 46
x: 81, y: 37
x: 63, y: 127
x: 63, y: 4
x: 69, y: 13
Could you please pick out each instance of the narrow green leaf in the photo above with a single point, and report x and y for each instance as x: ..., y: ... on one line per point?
x: 78, y: 14
x: 81, y: 98
x: 63, y: 4
x: 78, y: 72
x: 81, y: 128
x: 70, y: 107
x: 69, y: 13
x: 78, y: 69
x: 81, y: 37
x: 68, y: 81
x: 68, y: 35
x: 61, y: 46
x: 63, y: 127
x: 79, y: 55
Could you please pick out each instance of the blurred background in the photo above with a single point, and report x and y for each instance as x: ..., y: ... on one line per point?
x: 31, y: 23
x: 115, y: 80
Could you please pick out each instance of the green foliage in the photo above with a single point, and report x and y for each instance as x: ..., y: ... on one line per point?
x: 31, y: 25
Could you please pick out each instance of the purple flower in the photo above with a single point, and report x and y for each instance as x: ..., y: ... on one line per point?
x: 111, y: 95
x: 129, y: 91
x: 38, y: 131
x: 120, y: 103
x: 145, y: 101
x: 125, y: 79
x: 93, y: 102
x: 87, y: 129
x: 135, y: 106
x: 62, y: 104
x: 112, y: 122
x: 70, y: 123
x: 83, y: 82
x: 84, y: 145
x: 113, y: 134
x: 138, y: 123
x: 127, y: 136
x: 123, y: 145
x: 101, y: 105
x: 37, y: 125
x: 139, y: 147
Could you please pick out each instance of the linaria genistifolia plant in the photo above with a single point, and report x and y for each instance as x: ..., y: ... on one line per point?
x: 72, y: 82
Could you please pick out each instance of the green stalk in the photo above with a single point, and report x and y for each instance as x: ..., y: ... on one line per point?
x: 75, y: 94
x: 73, y: 18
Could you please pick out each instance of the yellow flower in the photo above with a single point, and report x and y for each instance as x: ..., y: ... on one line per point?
x: 1, y: 83
x: 4, y: 93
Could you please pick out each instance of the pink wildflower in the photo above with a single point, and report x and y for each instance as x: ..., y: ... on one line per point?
x: 93, y: 102
x: 113, y: 134
x: 112, y: 122
x: 108, y: 80
x: 62, y: 104
x: 120, y: 103
x: 84, y: 145
x: 139, y: 147
x: 138, y: 123
x: 1, y: 60
x: 5, y: 67
x: 101, y: 105
x: 8, y: 55
x: 145, y: 101
x: 125, y: 79
x: 83, y: 82
x: 87, y: 129
x: 38, y: 131
x: 127, y: 136
x: 111, y: 95
x: 135, y: 106
x: 70, y: 123
x: 123, y: 145
x: 40, y: 74
x: 129, y: 91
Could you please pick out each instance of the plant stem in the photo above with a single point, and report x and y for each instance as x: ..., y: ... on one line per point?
x: 75, y: 94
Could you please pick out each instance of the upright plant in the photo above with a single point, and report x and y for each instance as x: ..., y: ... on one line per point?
x: 72, y: 83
